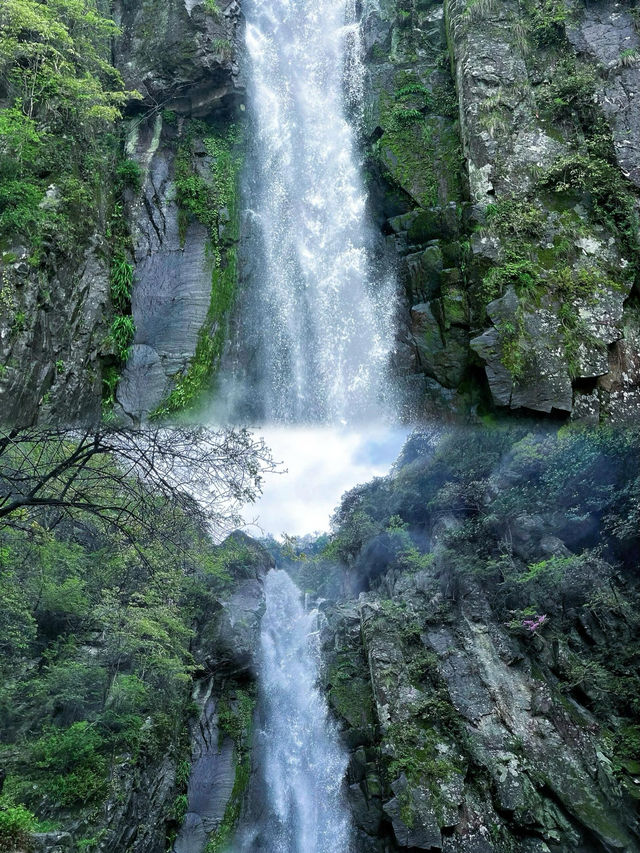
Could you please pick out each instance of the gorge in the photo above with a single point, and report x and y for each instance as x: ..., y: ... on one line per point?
x: 355, y: 227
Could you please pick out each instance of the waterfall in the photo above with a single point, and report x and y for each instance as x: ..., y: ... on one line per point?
x: 300, y: 761
x: 317, y: 314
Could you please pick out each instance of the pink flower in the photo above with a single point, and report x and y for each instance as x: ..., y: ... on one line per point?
x: 533, y: 624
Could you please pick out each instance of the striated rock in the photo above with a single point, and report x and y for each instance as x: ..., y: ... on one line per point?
x: 185, y: 57
x: 52, y: 337
x: 135, y: 817
x: 606, y: 34
x: 172, y: 289
x: 213, y: 771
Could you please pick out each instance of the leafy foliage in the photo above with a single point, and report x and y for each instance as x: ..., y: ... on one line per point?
x: 16, y: 824
x: 98, y: 609
x: 64, y: 94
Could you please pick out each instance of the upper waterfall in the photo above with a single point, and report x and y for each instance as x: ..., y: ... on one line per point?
x: 316, y: 323
x: 301, y: 764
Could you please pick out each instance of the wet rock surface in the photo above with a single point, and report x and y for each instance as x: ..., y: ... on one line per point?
x: 187, y: 70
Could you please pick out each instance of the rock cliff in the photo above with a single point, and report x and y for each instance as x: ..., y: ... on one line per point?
x: 502, y: 161
x: 475, y: 675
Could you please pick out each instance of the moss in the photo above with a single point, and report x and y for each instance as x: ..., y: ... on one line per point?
x: 419, y: 149
x: 221, y: 837
x: 353, y: 701
x: 214, y: 203
x: 539, y: 258
x: 235, y: 716
x: 407, y: 153
x: 419, y: 752
x: 350, y: 691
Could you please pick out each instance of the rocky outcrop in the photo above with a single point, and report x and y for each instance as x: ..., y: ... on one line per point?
x: 477, y: 743
x: 53, y: 329
x: 172, y: 284
x: 193, y: 791
x: 472, y: 725
x: 213, y: 769
x: 606, y: 34
x: 518, y: 83
x: 410, y: 127
x: 182, y: 58
x: 180, y: 55
x: 221, y: 734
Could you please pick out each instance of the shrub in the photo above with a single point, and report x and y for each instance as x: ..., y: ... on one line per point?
x: 121, y: 280
x: 16, y: 823
x: 75, y: 771
x: 129, y: 174
x: 122, y: 333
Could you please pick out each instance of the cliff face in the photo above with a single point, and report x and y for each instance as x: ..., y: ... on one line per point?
x: 513, y: 206
x: 140, y: 740
x: 163, y: 208
x: 480, y: 677
x: 559, y: 222
x: 183, y: 58
x: 502, y: 160
x: 52, y: 331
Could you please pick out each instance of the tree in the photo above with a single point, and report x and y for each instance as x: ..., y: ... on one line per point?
x: 122, y: 476
x: 54, y: 60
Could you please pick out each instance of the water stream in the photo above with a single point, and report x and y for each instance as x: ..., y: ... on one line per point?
x: 312, y: 345
x: 316, y: 321
x: 299, y: 758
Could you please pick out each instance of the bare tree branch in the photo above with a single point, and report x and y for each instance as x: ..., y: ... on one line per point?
x: 119, y: 475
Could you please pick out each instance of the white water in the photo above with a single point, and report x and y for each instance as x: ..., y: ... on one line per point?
x: 316, y: 317
x: 299, y: 756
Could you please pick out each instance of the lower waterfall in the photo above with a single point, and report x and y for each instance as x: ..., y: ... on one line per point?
x: 298, y: 756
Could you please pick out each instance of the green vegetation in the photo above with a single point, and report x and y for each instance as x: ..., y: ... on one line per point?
x: 91, y: 707
x: 60, y: 172
x: 64, y: 96
x: 547, y: 19
x: 16, y: 824
x: 540, y: 257
x: 214, y: 203
x: 212, y: 8
x: 419, y: 150
x: 350, y: 689
x: 104, y: 580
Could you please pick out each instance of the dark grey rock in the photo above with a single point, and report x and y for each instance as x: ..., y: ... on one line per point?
x: 443, y: 353
x: 367, y: 811
x: 52, y: 338
x: 51, y: 842
x: 424, y: 831
x: 545, y: 384
x: 213, y: 771
x: 606, y: 33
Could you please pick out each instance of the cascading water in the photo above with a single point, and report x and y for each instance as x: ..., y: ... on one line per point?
x: 301, y: 764
x: 316, y: 316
